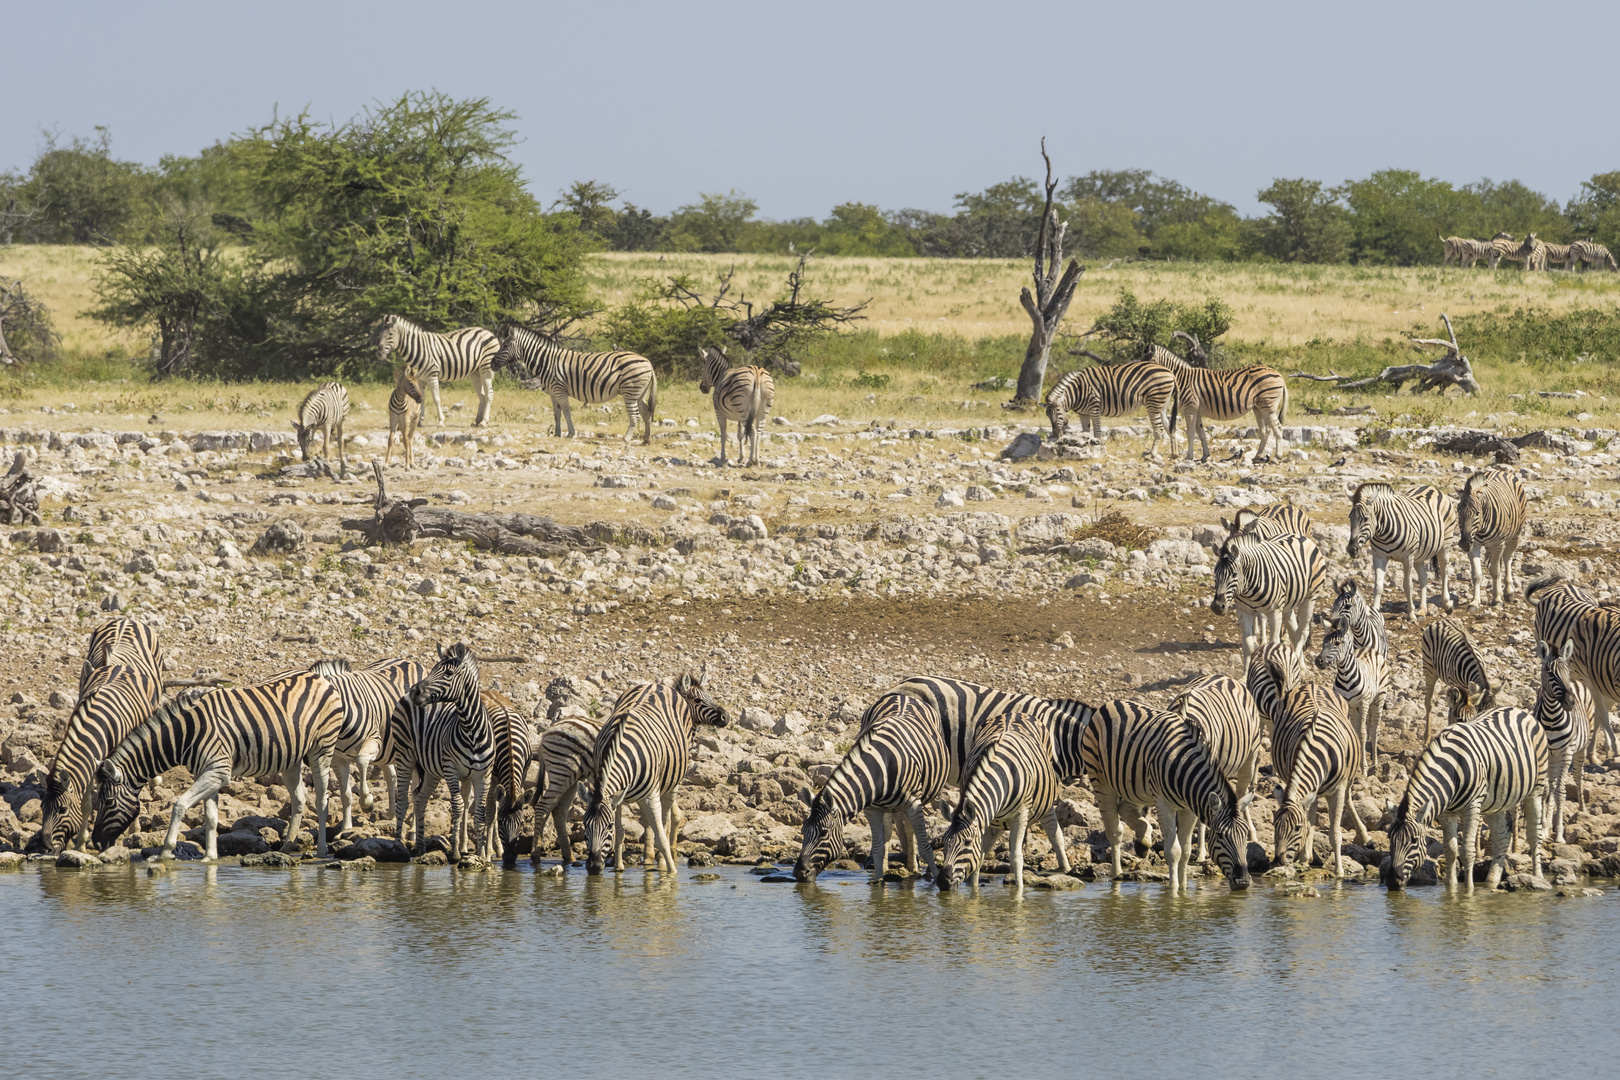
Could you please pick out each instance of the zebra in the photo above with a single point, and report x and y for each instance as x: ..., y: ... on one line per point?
x: 1533, y: 253
x: 591, y: 377
x: 404, y: 413
x: 1271, y: 670
x: 323, y: 410
x: 741, y: 394
x: 1361, y: 676
x: 271, y: 728
x: 1269, y: 522
x: 1567, y: 612
x: 1367, y: 627
x: 1010, y: 781
x: 1491, y: 510
x: 1225, y: 714
x: 1486, y: 766
x: 899, y: 763
x: 451, y: 738
x: 372, y: 698
x: 1564, y: 711
x: 1503, y: 246
x: 1266, y: 580
x: 1589, y: 253
x: 511, y: 766
x: 640, y: 755
x: 120, y: 685
x: 1557, y: 253
x: 1112, y: 390
x: 432, y: 357
x: 1225, y: 395
x: 1136, y: 755
x: 1465, y: 252
x: 1411, y: 526
x: 565, y: 764
x: 1450, y: 656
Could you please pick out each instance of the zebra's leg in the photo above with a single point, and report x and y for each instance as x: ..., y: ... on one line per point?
x: 1511, y: 545
x: 482, y: 790
x: 568, y: 413
x: 293, y: 778
x: 1470, y: 840
x: 1380, y: 566
x: 343, y: 457
x: 1202, y: 845
x: 1108, y: 806
x: 345, y: 794
x: 1016, y: 828
x: 880, y: 843
x: 421, y: 792
x: 1501, y: 845
x: 1355, y: 818
x: 1443, y: 568
x: 458, y: 815
x: 1054, y: 833
x: 1203, y: 438
x: 1451, y: 853
x: 1580, y: 778
x: 1600, y: 722
x: 1416, y: 609
x: 486, y: 400
x: 399, y: 799
x: 320, y: 767
x: 1557, y: 777
x: 211, y: 827
x: 652, y: 820
x: 1246, y: 633
x: 1531, y: 808
x: 1336, y: 798
x: 919, y: 833
x: 1477, y: 571
x: 565, y: 842
x: 433, y: 387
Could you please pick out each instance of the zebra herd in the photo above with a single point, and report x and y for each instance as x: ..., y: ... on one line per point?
x: 1534, y: 253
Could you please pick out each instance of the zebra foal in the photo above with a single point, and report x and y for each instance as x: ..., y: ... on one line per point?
x: 1267, y: 581
x: 451, y: 737
x: 1491, y: 512
x: 1361, y: 677
x: 432, y: 358
x: 1203, y: 394
x: 404, y: 413
x: 1411, y: 526
x: 593, y: 378
x: 1564, y: 711
x: 1449, y: 656
x: 1112, y: 390
x: 742, y: 395
x: 323, y: 410
x: 1010, y: 782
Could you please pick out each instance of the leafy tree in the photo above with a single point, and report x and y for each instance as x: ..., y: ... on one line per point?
x: 1306, y: 224
x: 591, y: 203
x: 1131, y: 326
x: 1595, y: 212
x: 1398, y: 216
x: 636, y: 229
x: 27, y: 332
x: 714, y: 223
x: 85, y: 196
x: 1513, y: 207
x: 1098, y: 228
x: 1220, y: 235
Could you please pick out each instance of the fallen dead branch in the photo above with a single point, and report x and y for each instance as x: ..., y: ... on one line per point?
x: 1453, y: 369
x: 19, y: 502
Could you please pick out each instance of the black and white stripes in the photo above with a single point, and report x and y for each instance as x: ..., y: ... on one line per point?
x: 1092, y: 393
x: 1414, y: 526
x: 433, y: 358
x: 1449, y: 656
x: 452, y: 738
x: 592, y: 378
x: 1269, y: 582
x: 404, y: 413
x: 565, y: 764
x: 1361, y: 678
x: 742, y: 395
x: 1586, y: 254
x: 1227, y: 394
x: 323, y: 411
x: 1009, y: 783
x: 1564, y: 711
x: 1491, y: 512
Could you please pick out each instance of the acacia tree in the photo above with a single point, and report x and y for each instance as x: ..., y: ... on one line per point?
x: 169, y: 287
x: 1050, y: 300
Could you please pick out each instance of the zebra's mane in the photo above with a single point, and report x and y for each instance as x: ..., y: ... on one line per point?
x: 331, y: 666
x: 309, y: 397
x: 1372, y: 492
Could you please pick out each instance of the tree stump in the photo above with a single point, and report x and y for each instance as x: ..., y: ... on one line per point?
x: 19, y: 502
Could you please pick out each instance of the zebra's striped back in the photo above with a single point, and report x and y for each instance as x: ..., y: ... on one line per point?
x: 1492, y: 508
x: 1111, y: 390
x: 427, y: 354
x: 1225, y: 715
x: 124, y: 642
x: 1450, y: 656
x: 1271, y: 672
x: 1591, y: 253
x: 1503, y: 246
x: 1204, y: 394
x: 370, y: 695
x: 961, y: 706
x: 1417, y: 523
x: 1009, y: 773
x: 1556, y: 253
x: 1269, y: 522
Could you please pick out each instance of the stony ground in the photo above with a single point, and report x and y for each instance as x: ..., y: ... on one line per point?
x: 847, y: 559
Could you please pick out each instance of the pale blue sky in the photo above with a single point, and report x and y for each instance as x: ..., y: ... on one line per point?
x: 807, y: 105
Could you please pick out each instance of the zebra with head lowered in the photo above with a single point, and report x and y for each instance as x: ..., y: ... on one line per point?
x: 119, y: 686
x: 641, y: 754
x: 1449, y: 656
x: 1092, y: 393
x: 1484, y: 767
x: 1590, y: 253
x: 1566, y: 612
x: 1367, y: 627
x: 1203, y: 394
x: 1361, y: 677
x: 322, y: 412
x: 1491, y: 512
x: 273, y: 728
x: 451, y: 737
x: 593, y: 378
x: 1414, y: 526
x: 742, y: 395
x: 1010, y: 782
x: 565, y: 767
x: 1465, y: 252
x: 512, y: 752
x: 1225, y: 714
x: 1266, y: 581
x: 1564, y: 711
x: 431, y: 358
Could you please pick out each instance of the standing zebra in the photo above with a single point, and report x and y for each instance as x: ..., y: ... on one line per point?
x: 1411, y: 526
x: 1225, y: 395
x: 1503, y: 246
x: 1490, y: 518
x: 565, y: 764
x: 1269, y: 522
x: 1271, y: 670
x: 1589, y: 253
x: 433, y: 358
x: 1264, y: 580
x: 1450, y: 656
x: 372, y: 697
x: 120, y: 685
x: 741, y: 394
x: 1486, y: 767
x: 1557, y: 253
x: 275, y: 727
x: 1361, y: 677
x: 323, y: 410
x: 1567, y: 612
x: 640, y: 755
x: 1533, y: 253
x: 512, y: 753
x: 452, y: 738
x: 897, y: 765
x: 1112, y: 390
x: 1010, y: 781
x: 962, y: 706
x: 591, y: 377
x: 1465, y: 252
x: 1564, y: 711
x: 404, y: 413
x: 1225, y: 714
x: 1367, y: 627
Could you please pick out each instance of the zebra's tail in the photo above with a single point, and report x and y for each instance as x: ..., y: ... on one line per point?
x: 1282, y: 406
x: 651, y: 400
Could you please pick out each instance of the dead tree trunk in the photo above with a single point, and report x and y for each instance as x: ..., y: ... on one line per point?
x: 1047, y: 305
x: 19, y: 503
x: 1453, y: 369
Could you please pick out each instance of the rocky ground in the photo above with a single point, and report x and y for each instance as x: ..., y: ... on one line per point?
x: 847, y: 559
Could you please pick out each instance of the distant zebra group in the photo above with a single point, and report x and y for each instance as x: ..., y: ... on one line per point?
x: 1534, y: 253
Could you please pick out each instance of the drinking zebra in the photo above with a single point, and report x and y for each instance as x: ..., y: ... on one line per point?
x: 743, y: 395
x: 1269, y: 522
x: 452, y: 738
x: 961, y: 706
x: 1225, y: 395
x: 640, y: 755
x: 512, y: 753
x: 432, y: 358
x: 1225, y: 714
x: 119, y: 686
x: 898, y: 763
x: 1589, y: 253
x: 1112, y: 390
x: 1361, y: 677
x: 1564, y: 711
x: 565, y: 764
x: 1411, y: 526
x: 323, y: 410
x: 1266, y: 580
x: 1490, y: 518
x: 591, y: 377
x: 1137, y: 756
x: 1449, y: 656
x: 1567, y: 612
x: 1367, y: 627
x: 373, y: 696
x: 404, y: 413
x: 272, y: 728
x: 1270, y: 671
x: 1484, y: 767
x: 1010, y: 781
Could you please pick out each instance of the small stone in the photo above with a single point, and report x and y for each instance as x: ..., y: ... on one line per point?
x: 432, y: 858
x: 272, y: 860
x: 1526, y: 883
x: 664, y: 502
x: 77, y: 860
x: 11, y: 860
x: 753, y: 718
x: 705, y: 877
x: 1053, y: 882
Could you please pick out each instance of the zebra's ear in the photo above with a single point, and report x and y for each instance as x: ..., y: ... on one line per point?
x: 1246, y: 800
x: 1568, y: 649
x: 1227, y: 525
x: 1542, y: 650
x: 441, y: 650
x: 1279, y: 795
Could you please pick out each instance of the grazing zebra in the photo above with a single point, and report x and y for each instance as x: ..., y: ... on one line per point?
x: 898, y: 764
x: 272, y: 728
x: 591, y: 377
x: 117, y: 691
x: 1266, y: 580
x: 452, y: 738
x: 432, y: 358
x: 372, y: 697
x: 1367, y: 627
x: 323, y: 410
x: 1567, y: 612
x: 1411, y: 526
x: 1225, y: 395
x: 404, y: 413
x: 1269, y: 522
x: 1361, y: 677
x: 565, y: 764
x: 1137, y: 756
x: 512, y: 753
x: 741, y: 394
x: 1503, y: 246
x: 1490, y: 518
x: 640, y: 755
x: 1010, y: 781
x: 1556, y: 253
x: 1465, y: 252
x: 1564, y: 711
x: 1225, y: 714
x: 1486, y: 767
x: 1112, y: 390
x: 1449, y: 656
x: 1589, y: 253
